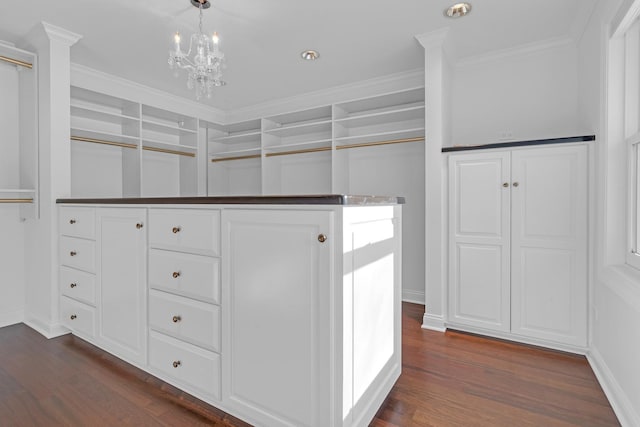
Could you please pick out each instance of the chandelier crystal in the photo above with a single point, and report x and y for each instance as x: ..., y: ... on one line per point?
x: 203, y: 61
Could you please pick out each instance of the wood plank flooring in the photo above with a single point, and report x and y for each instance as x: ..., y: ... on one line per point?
x: 450, y: 379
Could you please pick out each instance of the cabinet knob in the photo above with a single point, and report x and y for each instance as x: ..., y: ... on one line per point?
x: 322, y: 238
x: 73, y: 317
x: 176, y: 319
x: 176, y: 230
x: 73, y: 253
x: 505, y: 184
x: 176, y: 274
x: 139, y: 225
x: 176, y: 363
x: 515, y: 184
x: 72, y: 221
x: 73, y: 285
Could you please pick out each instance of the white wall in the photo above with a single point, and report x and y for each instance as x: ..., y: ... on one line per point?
x: 527, y: 93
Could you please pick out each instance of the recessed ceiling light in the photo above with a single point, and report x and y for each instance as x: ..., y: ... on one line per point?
x: 458, y: 10
x: 310, y: 55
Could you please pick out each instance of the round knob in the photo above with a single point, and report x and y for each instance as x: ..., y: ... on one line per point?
x: 505, y: 184
x: 73, y: 253
x: 515, y: 184
x: 72, y: 221
x: 176, y: 274
x: 322, y: 238
x: 139, y: 225
x: 73, y: 317
x: 176, y: 319
x: 176, y: 363
x: 176, y: 230
x: 73, y: 285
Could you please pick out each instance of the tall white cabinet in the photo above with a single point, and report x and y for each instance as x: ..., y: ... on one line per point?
x: 518, y: 244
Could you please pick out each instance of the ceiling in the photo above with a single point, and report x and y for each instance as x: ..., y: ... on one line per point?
x: 262, y: 40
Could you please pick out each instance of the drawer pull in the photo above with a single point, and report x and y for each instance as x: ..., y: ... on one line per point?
x: 176, y: 363
x: 176, y: 274
x: 176, y: 230
x: 73, y: 285
x: 322, y: 238
x: 515, y: 184
x: 139, y: 225
x: 176, y: 319
x: 72, y: 221
x: 73, y: 317
x: 73, y: 253
x: 505, y: 184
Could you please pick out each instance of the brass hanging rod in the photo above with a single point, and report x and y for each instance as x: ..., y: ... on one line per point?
x: 16, y: 62
x: 373, y: 144
x: 164, y: 150
x: 16, y: 200
x: 103, y: 142
x: 306, y: 150
x: 226, y: 159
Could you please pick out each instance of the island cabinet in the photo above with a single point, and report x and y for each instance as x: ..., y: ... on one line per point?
x: 282, y: 311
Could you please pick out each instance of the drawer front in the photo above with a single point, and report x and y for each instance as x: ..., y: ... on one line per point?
x: 188, y: 364
x: 77, y: 222
x: 194, y: 276
x: 77, y: 316
x: 185, y: 230
x: 77, y: 253
x: 78, y: 285
x: 183, y: 318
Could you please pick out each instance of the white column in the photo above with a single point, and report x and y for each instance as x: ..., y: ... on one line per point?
x: 41, y: 244
x: 437, y: 134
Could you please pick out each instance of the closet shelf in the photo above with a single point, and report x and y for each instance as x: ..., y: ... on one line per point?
x: 301, y: 128
x: 394, y: 134
x: 167, y: 128
x: 93, y: 113
x: 237, y: 138
x: 374, y: 118
x: 317, y: 143
x: 85, y: 134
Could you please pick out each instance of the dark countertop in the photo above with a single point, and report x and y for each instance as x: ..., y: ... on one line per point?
x: 508, y: 144
x: 320, y: 199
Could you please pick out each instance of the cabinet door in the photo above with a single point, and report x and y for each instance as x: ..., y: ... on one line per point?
x: 549, y: 244
x: 479, y: 240
x: 275, y: 303
x: 122, y: 279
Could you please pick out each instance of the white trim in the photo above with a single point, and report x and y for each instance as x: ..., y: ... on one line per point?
x: 433, y: 322
x: 524, y: 49
x: 59, y: 34
x: 433, y: 38
x: 624, y: 281
x: 48, y: 329
x: 412, y: 296
x: 11, y: 317
x: 627, y: 14
x: 617, y: 398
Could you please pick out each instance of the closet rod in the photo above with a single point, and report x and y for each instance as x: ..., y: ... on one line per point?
x: 103, y: 142
x: 16, y: 200
x: 15, y: 61
x: 373, y: 144
x: 164, y: 150
x: 226, y: 159
x: 306, y: 150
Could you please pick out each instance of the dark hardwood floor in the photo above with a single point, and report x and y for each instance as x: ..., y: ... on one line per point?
x: 450, y: 379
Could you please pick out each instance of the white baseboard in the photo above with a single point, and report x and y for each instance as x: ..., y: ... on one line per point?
x: 48, y: 329
x: 433, y: 322
x: 619, y: 401
x: 11, y: 317
x: 415, y: 297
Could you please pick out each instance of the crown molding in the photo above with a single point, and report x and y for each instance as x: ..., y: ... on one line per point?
x: 433, y: 38
x: 521, y: 50
x: 332, y: 95
x: 626, y: 15
x: 58, y: 34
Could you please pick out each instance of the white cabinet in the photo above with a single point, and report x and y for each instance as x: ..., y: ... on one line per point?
x: 518, y: 243
x: 122, y: 277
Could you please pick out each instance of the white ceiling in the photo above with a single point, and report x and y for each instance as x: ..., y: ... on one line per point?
x: 262, y: 39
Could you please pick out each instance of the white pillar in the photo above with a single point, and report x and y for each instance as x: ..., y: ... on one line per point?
x: 437, y: 134
x: 41, y: 243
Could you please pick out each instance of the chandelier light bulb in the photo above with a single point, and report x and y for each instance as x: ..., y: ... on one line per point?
x: 215, y: 38
x: 176, y: 38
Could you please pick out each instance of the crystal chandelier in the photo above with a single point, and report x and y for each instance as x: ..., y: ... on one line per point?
x: 204, y: 67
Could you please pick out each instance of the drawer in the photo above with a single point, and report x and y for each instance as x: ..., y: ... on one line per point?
x: 190, y: 275
x: 77, y: 253
x: 190, y: 365
x: 188, y: 230
x: 78, y: 285
x: 185, y: 319
x: 77, y: 316
x: 77, y: 222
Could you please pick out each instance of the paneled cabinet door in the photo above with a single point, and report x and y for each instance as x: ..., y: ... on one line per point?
x: 549, y: 244
x: 122, y: 280
x: 479, y: 246
x: 276, y: 287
